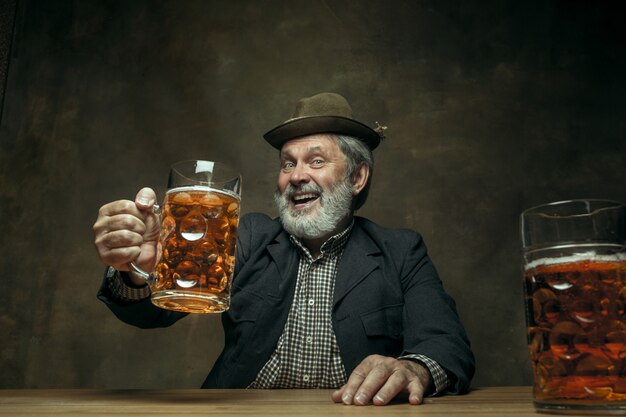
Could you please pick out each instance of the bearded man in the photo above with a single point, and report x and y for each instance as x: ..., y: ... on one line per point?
x: 320, y: 298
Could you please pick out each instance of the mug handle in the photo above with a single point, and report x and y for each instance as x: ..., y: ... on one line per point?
x: 149, y: 278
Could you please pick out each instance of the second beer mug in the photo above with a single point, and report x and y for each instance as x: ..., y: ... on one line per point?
x: 575, y: 282
x: 196, y: 247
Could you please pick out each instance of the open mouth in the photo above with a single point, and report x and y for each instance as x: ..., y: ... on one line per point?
x: 304, y: 199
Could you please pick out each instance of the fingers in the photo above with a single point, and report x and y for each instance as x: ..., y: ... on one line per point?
x: 124, y: 227
x: 118, y: 216
x: 121, y: 222
x: 384, y: 381
x: 417, y: 387
x: 118, y: 239
x: 416, y: 392
x: 346, y: 393
x: 379, y: 379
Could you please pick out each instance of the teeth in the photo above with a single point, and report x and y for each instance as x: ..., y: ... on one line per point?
x: 302, y: 197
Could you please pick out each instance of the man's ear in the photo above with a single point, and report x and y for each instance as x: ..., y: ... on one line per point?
x: 359, y: 178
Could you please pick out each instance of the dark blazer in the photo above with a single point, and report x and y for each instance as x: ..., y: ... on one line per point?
x: 388, y: 300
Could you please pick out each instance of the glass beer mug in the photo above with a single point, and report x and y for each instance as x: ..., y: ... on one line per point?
x: 575, y: 285
x: 196, y: 247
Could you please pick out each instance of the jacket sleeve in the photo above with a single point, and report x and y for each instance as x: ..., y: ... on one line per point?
x: 140, y: 313
x: 432, y: 326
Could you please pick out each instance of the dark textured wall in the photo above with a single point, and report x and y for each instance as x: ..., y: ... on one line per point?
x: 492, y: 107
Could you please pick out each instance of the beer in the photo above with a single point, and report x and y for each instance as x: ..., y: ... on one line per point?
x: 197, y: 247
x: 576, y: 318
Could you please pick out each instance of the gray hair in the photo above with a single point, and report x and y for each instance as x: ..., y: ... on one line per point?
x: 357, y: 153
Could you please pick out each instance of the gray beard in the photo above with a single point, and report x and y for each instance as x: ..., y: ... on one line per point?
x: 335, y: 205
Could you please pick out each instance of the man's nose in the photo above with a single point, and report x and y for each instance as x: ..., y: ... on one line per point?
x: 299, y: 175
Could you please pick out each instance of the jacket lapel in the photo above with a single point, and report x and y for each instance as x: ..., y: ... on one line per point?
x: 357, y: 262
x: 286, y: 259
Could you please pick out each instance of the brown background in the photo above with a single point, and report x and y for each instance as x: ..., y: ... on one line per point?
x: 492, y: 107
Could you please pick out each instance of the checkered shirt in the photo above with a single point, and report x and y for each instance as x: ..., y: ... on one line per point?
x: 307, y: 355
x: 440, y: 377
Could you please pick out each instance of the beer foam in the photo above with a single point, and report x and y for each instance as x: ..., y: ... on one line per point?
x: 205, y: 189
x: 576, y: 257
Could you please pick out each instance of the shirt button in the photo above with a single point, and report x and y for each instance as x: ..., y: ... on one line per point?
x: 309, y: 339
x: 305, y: 378
x: 311, y: 301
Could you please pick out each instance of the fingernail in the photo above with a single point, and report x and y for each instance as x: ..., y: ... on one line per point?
x: 143, y: 200
x: 347, y: 398
x: 379, y: 398
x: 360, y: 398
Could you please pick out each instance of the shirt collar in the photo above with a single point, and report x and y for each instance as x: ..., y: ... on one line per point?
x: 331, y: 248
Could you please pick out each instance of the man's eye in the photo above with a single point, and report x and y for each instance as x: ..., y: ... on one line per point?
x: 318, y: 162
x: 288, y: 165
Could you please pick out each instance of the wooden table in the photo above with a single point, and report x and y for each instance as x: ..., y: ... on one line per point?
x: 492, y: 401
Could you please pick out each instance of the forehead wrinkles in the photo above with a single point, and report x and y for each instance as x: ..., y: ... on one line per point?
x: 309, y: 150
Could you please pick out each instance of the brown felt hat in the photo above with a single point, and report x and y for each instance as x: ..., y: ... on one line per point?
x: 323, y: 113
